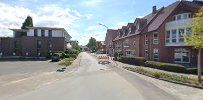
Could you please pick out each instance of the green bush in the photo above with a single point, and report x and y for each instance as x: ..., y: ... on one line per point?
x: 132, y: 60
x: 73, y: 55
x: 167, y: 76
x: 192, y: 71
x: 166, y: 66
x: 66, y: 62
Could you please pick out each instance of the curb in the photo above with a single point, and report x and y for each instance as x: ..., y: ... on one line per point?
x: 176, y: 82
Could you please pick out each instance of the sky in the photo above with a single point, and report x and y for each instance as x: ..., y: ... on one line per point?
x: 80, y: 18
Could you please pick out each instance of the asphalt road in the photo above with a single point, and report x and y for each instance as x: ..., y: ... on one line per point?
x: 26, y: 67
x: 93, y: 81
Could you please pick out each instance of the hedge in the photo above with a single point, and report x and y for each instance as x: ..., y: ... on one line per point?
x: 132, y: 60
x: 166, y: 66
x: 166, y: 76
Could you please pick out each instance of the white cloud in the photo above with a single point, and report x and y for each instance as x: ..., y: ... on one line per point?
x: 119, y: 25
x: 140, y: 16
x: 47, y: 15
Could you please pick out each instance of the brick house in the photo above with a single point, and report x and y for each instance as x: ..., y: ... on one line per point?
x: 102, y: 47
x: 158, y: 36
x: 34, y: 42
x: 110, y: 36
x: 163, y: 39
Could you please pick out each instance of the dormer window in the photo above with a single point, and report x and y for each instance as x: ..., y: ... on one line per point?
x: 137, y: 27
x: 182, y: 16
x: 129, y: 30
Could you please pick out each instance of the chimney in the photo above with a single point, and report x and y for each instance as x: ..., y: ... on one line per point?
x: 154, y: 10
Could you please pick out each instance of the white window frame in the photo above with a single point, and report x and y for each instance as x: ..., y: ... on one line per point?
x: 166, y: 38
x: 155, y: 40
x: 130, y: 53
x: 179, y: 35
x: 155, y: 52
x: 146, y: 39
x: 182, y: 16
x: 129, y: 30
x: 181, y: 51
x: 172, y: 36
x: 187, y: 31
x: 190, y: 30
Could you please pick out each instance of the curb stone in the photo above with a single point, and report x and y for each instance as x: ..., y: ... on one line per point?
x: 176, y: 82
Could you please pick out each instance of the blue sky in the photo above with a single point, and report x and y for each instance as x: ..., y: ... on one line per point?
x: 79, y: 17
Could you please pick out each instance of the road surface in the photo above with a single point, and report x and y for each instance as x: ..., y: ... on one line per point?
x: 93, y: 81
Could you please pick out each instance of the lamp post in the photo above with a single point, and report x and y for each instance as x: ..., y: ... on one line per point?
x: 106, y: 29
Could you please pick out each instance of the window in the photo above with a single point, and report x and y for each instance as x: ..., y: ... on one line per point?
x: 129, y: 30
x: 174, y: 36
x: 189, y: 15
x: 35, y: 32
x: 185, y: 16
x: 146, y: 39
x: 180, y: 35
x: 178, y: 17
x: 146, y: 53
x: 137, y: 27
x: 174, y: 18
x: 39, y: 44
x: 42, y: 33
x: 155, y: 41
x: 182, y: 56
x: 50, y: 33
x: 188, y: 31
x: 182, y: 16
x: 126, y: 42
x: 156, y: 55
x: 168, y: 33
x: 130, y: 53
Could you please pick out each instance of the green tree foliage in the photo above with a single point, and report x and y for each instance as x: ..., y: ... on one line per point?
x: 93, y: 45
x: 27, y: 23
x: 75, y: 46
x: 196, y: 38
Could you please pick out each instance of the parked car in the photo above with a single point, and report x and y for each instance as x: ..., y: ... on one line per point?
x: 55, y: 57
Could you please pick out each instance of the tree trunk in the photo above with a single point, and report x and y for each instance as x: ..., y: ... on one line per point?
x: 199, y: 67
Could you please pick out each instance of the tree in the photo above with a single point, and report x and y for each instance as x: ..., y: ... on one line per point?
x: 27, y: 23
x: 196, y: 38
x: 75, y: 46
x: 92, y: 45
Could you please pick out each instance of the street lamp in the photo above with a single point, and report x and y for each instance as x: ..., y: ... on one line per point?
x: 106, y: 29
x: 104, y: 26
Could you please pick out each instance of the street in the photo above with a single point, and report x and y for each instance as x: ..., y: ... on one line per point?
x: 93, y: 81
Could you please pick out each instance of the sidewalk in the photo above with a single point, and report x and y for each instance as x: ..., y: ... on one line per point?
x: 121, y: 65
x: 181, y: 91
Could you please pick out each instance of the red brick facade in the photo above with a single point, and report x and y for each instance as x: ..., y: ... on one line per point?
x: 148, y: 35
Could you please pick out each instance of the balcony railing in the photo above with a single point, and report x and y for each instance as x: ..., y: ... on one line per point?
x: 178, y: 24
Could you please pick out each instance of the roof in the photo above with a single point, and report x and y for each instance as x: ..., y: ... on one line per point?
x: 148, y: 18
x: 111, y: 34
x: 167, y: 11
x: 19, y: 30
x: 153, y: 21
x: 162, y: 16
x: 46, y: 28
